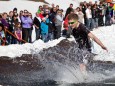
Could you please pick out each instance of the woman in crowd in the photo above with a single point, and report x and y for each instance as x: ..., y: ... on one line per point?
x: 37, y: 23
x: 26, y: 25
x: 58, y: 23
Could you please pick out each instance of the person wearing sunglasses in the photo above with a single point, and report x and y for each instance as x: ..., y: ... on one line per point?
x: 82, y: 36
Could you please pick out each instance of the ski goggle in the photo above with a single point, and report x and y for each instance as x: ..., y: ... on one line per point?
x: 71, y: 22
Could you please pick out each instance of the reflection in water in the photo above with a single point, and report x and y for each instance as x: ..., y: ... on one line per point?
x: 55, y: 66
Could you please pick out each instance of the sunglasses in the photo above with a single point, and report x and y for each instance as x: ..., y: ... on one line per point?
x: 71, y: 22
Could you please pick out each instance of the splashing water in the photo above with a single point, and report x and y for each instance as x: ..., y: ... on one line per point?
x: 55, y: 66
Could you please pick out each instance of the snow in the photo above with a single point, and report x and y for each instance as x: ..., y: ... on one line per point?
x: 105, y: 34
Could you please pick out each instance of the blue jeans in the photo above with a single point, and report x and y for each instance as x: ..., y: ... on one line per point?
x: 90, y: 23
x: 96, y: 22
x: 45, y: 37
x: 50, y: 36
x: 107, y: 20
x: 37, y: 33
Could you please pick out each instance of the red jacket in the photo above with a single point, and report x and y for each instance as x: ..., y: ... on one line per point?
x: 40, y: 15
x: 65, y: 24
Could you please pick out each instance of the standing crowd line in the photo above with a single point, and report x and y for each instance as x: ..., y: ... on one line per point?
x: 16, y: 28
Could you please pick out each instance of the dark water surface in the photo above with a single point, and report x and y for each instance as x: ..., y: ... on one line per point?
x: 56, y: 66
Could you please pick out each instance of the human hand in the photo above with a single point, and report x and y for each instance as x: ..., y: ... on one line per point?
x: 20, y: 39
x: 105, y: 48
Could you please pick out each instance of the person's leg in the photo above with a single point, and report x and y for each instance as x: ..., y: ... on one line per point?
x: 30, y: 35
x: 25, y: 34
x: 109, y: 19
x: 43, y: 37
x: 82, y: 67
x: 88, y: 23
x: 49, y: 36
x: 96, y: 22
x: 37, y: 33
x: 92, y: 24
x: 58, y: 32
x: 83, y: 70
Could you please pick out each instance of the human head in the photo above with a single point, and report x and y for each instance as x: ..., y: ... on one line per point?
x: 89, y: 7
x: 47, y: 11
x: 11, y: 13
x: 30, y: 15
x: 25, y: 13
x: 57, y: 7
x: 17, y: 25
x: 21, y: 13
x: 59, y: 12
x: 71, y: 5
x: 54, y: 9
x: 4, y: 15
x: 72, y: 20
x: 77, y: 9
x: 53, y: 5
x: 40, y: 7
x: 15, y: 10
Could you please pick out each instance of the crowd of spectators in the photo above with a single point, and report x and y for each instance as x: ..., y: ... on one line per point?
x: 16, y: 28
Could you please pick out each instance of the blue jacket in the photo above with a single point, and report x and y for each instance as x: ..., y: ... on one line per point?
x: 44, y: 28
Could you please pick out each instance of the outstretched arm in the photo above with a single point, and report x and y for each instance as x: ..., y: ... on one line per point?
x: 93, y: 37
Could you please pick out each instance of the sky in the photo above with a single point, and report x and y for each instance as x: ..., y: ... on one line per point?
x: 105, y: 34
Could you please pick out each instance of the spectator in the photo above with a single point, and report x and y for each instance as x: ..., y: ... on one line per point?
x: 51, y: 10
x: 89, y: 18
x: 40, y: 9
x: 2, y: 35
x: 37, y: 23
x: 69, y: 10
x: 44, y: 29
x: 30, y: 30
x: 26, y: 25
x: 58, y: 23
x: 18, y: 32
x: 6, y: 26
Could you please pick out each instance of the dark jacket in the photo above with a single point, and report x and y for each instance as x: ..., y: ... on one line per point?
x: 36, y: 22
x: 68, y: 11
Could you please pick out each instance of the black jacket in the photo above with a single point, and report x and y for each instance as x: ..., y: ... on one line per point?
x: 36, y: 22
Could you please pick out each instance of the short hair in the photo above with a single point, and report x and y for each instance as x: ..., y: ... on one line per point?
x: 73, y: 16
x: 71, y: 4
x: 15, y: 9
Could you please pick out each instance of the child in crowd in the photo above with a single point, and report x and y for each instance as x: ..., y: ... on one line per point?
x: 2, y: 35
x: 18, y: 32
x: 44, y: 30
